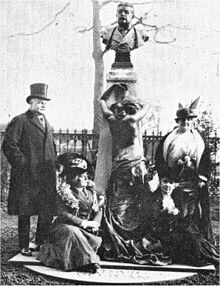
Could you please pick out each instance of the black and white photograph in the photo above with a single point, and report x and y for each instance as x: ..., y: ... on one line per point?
x: 110, y: 142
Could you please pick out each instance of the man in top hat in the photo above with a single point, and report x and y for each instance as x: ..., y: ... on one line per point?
x: 183, y: 157
x: 29, y: 147
x: 123, y: 38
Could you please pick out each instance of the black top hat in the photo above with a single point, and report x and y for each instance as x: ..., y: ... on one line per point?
x: 38, y: 90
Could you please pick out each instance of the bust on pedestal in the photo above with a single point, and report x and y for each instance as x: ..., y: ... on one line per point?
x: 122, y: 38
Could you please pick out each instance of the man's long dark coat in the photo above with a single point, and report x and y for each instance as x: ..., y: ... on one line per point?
x: 30, y: 150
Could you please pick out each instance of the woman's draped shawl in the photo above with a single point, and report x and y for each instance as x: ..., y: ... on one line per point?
x: 191, y: 200
x: 178, y: 145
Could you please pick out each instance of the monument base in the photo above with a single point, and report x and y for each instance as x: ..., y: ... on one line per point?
x: 115, y: 272
x: 126, y: 75
x: 107, y: 276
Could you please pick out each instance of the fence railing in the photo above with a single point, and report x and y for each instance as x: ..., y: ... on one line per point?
x: 84, y: 142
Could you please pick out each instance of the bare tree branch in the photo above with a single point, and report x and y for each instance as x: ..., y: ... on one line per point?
x: 112, y: 24
x: 151, y: 2
x: 136, y: 3
x: 109, y: 1
x: 162, y: 42
x: 45, y: 27
x: 142, y: 21
x: 82, y: 29
x: 157, y: 29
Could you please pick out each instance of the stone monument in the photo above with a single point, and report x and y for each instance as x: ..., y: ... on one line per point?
x: 122, y: 38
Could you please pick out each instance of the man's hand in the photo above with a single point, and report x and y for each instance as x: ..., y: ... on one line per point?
x: 107, y: 113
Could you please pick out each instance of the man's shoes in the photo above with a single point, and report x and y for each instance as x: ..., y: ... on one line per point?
x: 26, y: 251
x: 92, y: 268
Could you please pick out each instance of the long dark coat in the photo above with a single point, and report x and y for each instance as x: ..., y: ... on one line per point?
x: 30, y: 150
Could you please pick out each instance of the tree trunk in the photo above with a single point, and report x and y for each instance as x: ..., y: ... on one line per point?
x: 99, y: 65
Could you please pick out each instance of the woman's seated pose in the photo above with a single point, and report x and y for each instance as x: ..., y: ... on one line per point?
x: 74, y: 236
x: 180, y: 237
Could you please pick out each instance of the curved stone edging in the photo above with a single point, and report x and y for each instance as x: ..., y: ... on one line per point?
x: 112, y: 276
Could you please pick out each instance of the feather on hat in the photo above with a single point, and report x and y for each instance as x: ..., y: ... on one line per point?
x: 184, y: 112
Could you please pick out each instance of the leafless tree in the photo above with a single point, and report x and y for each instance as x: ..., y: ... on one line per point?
x: 97, y: 48
x: 98, y: 52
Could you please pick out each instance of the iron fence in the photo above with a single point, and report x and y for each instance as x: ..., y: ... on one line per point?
x: 84, y: 142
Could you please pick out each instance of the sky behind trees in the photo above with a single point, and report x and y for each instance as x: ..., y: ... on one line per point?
x: 40, y: 42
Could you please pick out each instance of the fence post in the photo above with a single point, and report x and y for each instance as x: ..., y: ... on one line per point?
x: 84, y: 142
x: 95, y: 142
x: 74, y: 140
x: 215, y: 156
x: 67, y: 140
x: 60, y: 141
x: 144, y: 138
x: 152, y: 147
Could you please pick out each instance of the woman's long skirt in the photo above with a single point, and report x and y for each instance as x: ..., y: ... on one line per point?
x: 69, y: 248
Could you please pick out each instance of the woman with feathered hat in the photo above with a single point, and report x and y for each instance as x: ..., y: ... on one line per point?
x: 183, y: 157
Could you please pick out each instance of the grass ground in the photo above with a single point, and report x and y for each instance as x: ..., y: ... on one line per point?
x: 15, y: 274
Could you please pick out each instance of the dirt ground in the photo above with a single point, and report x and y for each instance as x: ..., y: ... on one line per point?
x: 15, y: 274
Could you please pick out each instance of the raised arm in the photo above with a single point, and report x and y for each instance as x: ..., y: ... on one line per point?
x: 136, y: 112
x: 112, y: 96
x: 107, y: 113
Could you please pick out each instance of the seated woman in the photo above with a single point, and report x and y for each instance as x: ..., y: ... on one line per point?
x: 74, y: 236
x: 180, y: 238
